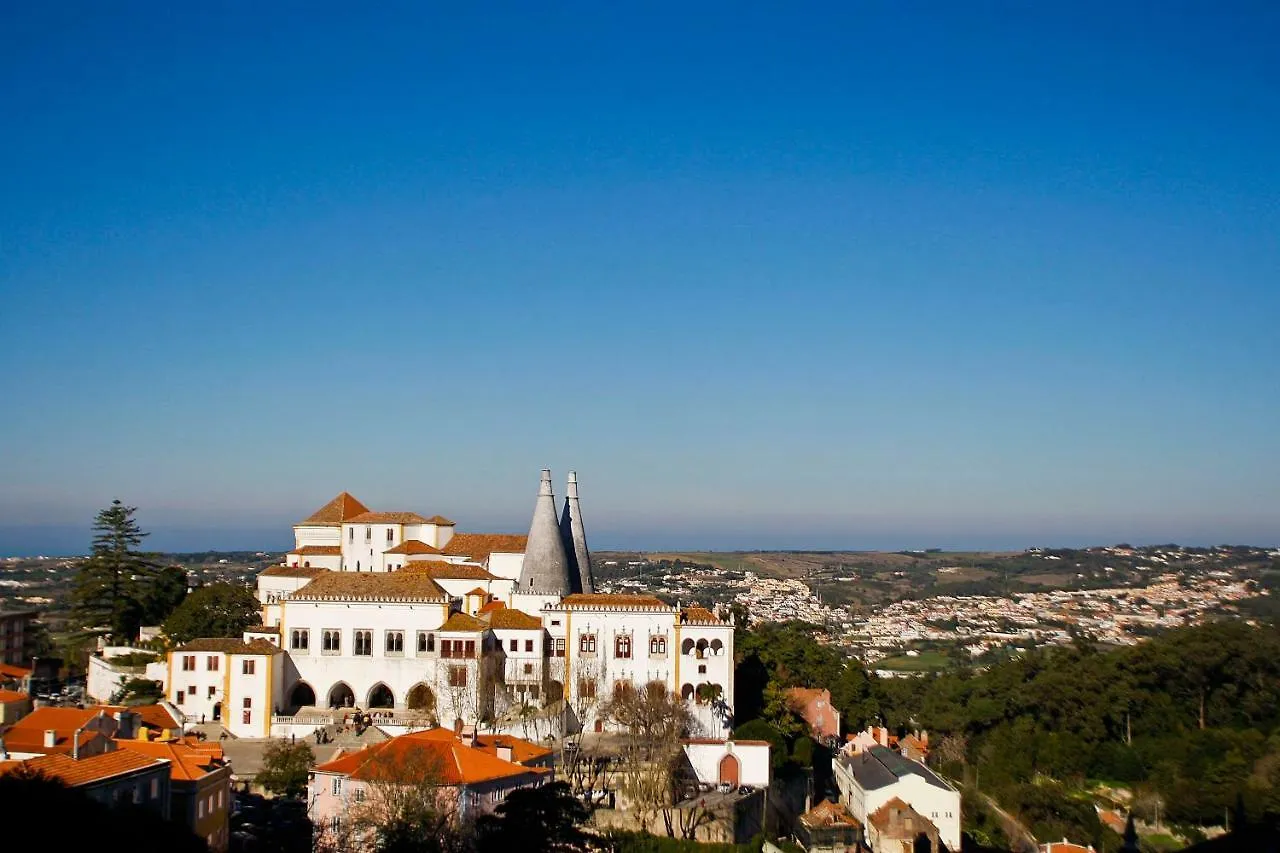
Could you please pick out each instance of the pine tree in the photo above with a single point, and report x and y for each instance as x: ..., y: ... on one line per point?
x: 113, y: 581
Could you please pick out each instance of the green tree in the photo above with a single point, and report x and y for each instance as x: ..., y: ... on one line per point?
x: 216, y: 610
x: 162, y: 596
x: 285, y: 767
x: 548, y: 818
x: 138, y: 691
x: 111, y: 584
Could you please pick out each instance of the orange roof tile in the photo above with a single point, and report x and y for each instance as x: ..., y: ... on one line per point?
x: 462, y: 622
x: 386, y: 518
x: 403, y: 585
x: 318, y: 551
x: 13, y: 696
x: 491, y: 607
x: 436, y: 752
x: 521, y: 750
x: 231, y: 646
x: 448, y: 571
x: 477, y: 591
x: 186, y: 763
x: 73, y: 772
x: 336, y: 511
x: 413, y: 546
x: 880, y: 818
x: 478, y: 546
x: 508, y: 619
x: 699, y: 616
x: 292, y: 572
x: 630, y: 602
x: 441, y: 521
x: 827, y: 813
x: 8, y: 670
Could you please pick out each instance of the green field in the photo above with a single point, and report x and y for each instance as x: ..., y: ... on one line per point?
x: 927, y: 661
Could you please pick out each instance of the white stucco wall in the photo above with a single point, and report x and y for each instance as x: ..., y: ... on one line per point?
x: 306, y: 534
x: 753, y: 761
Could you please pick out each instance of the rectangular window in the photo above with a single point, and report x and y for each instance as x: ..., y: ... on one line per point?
x: 247, y: 667
x: 211, y: 663
x: 351, y: 534
x: 359, y: 795
x: 188, y: 663
x: 515, y: 645
x: 191, y: 691
x: 177, y: 699
x: 586, y: 688
x: 246, y: 717
x: 395, y: 642
x: 471, y: 648
x: 337, y: 788
x: 587, y: 644
x: 390, y: 535
x: 657, y: 645
x: 555, y: 623
x: 248, y: 701
x: 528, y: 669
x: 560, y: 647
x: 702, y: 669
x: 212, y: 691
x: 528, y: 645
x: 200, y: 809
x: 622, y: 647
x: 457, y: 676
x: 368, y: 534
x: 299, y: 638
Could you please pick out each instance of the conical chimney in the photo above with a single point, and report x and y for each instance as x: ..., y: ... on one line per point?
x: 545, y: 570
x: 575, y: 538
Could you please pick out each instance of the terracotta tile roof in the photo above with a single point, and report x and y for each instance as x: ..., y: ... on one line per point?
x: 1065, y: 847
x: 448, y: 571
x: 881, y: 819
x: 463, y: 622
x: 318, y: 551
x: 413, y: 546
x: 336, y: 511
x: 84, y: 771
x: 440, y: 521
x: 626, y: 602
x: 826, y: 814
x: 431, y: 753
x: 477, y: 591
x: 491, y: 607
x: 514, y: 619
x: 478, y: 546
x: 699, y: 616
x: 372, y: 586
x: 522, y: 751
x: 387, y: 518
x: 8, y: 670
x: 718, y: 741
x: 12, y: 696
x: 66, y: 720
x: 262, y: 629
x: 185, y: 763
x: 291, y: 572
x: 231, y: 646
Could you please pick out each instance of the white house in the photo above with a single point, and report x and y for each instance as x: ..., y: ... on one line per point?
x: 234, y: 681
x: 872, y: 776
x: 732, y: 762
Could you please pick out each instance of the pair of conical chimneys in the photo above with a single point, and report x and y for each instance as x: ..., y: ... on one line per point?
x: 556, y: 559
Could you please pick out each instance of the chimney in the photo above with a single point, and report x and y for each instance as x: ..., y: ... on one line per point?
x: 4, y: 753
x: 546, y: 568
x: 468, y: 735
x: 504, y: 752
x: 575, y: 539
x: 126, y: 724
x: 50, y: 738
x: 924, y: 737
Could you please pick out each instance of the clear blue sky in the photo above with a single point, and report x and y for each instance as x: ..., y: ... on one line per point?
x: 862, y: 275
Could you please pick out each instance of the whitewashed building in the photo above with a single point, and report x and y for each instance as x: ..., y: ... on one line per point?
x: 399, y: 612
x: 872, y: 777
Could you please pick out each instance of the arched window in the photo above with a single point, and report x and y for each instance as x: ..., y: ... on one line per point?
x: 363, y: 643
x: 717, y: 647
x: 395, y: 642
x: 622, y: 647
x: 658, y: 644
x: 686, y: 648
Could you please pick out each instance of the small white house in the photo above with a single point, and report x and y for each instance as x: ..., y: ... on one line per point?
x: 733, y: 762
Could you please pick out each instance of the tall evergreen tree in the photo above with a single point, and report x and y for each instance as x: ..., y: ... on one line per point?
x: 113, y: 581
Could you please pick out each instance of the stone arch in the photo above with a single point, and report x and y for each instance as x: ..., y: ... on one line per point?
x: 717, y: 647
x: 702, y: 648
x: 686, y: 692
x: 686, y: 648
x: 420, y: 698
x: 302, y: 695
x: 730, y: 770
x: 341, y: 695
x: 380, y: 696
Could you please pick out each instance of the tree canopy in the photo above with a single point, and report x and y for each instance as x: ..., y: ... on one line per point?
x: 216, y: 610
x: 119, y: 588
x: 285, y: 767
x: 547, y: 818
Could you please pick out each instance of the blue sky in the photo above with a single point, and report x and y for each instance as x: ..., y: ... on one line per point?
x: 862, y: 275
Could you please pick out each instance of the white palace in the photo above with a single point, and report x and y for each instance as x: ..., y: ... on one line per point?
x: 400, y: 614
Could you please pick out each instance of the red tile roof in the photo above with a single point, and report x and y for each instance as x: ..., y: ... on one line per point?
x: 440, y: 521
x: 185, y: 762
x: 613, y: 602
x: 478, y: 546
x: 292, y: 572
x: 12, y: 696
x: 522, y: 751
x: 387, y: 518
x: 413, y: 546
x: 437, y: 752
x: 827, y: 814
x: 371, y: 586
x: 231, y: 646
x: 491, y: 607
x: 462, y: 622
x: 318, y: 551
x: 699, y: 616
x: 73, y: 772
x: 514, y: 620
x: 8, y: 670
x: 448, y: 571
x: 27, y: 734
x: 336, y: 511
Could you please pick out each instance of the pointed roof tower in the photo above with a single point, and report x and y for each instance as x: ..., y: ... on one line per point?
x: 336, y: 511
x: 575, y: 539
x: 545, y: 569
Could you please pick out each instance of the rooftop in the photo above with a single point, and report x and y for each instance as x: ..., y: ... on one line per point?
x: 336, y: 511
x: 878, y: 767
x: 413, y: 546
x: 387, y: 518
x: 318, y: 551
x: 588, y: 601
x: 462, y: 622
x: 185, y: 762
x: 292, y: 572
x: 478, y: 546
x: 231, y: 646
x: 448, y: 571
x: 73, y: 772
x: 436, y: 752
x: 828, y: 814
x: 509, y: 619
x: 372, y: 586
